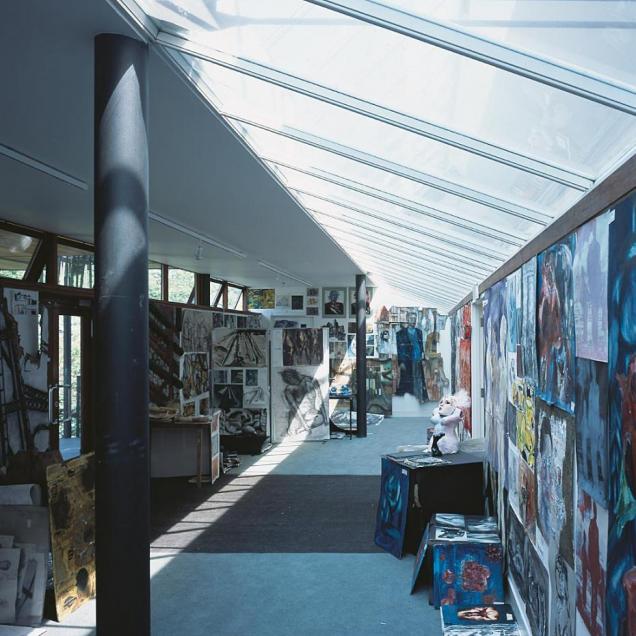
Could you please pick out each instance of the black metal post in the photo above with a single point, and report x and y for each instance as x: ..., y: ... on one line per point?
x: 121, y: 337
x: 361, y: 354
x: 66, y: 357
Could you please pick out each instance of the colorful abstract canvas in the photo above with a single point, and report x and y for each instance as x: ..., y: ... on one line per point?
x: 392, y: 508
x: 592, y: 428
x: 591, y: 563
x: 555, y: 325
x: 261, y: 298
x: 555, y: 478
x: 621, y: 557
x: 467, y: 573
x: 590, y: 288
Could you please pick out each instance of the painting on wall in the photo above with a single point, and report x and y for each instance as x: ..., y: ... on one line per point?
x: 591, y: 563
x: 302, y: 347
x: 537, y: 591
x: 515, y: 546
x: 409, y: 341
x: 495, y: 371
x: 527, y: 497
x: 392, y: 508
x: 555, y: 325
x: 621, y: 555
x: 334, y: 301
x: 195, y: 379
x: 590, y: 288
x: 592, y: 428
x: 240, y: 348
x: 555, y: 478
x: 353, y: 299
x: 562, y: 597
x: 244, y: 421
x: 261, y: 298
x: 196, y: 330
x: 524, y: 420
x: 529, y: 320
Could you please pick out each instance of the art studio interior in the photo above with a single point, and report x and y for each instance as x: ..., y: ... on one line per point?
x: 318, y: 317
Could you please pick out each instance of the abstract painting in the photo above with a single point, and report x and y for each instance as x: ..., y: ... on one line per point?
x: 464, y: 361
x: 555, y: 478
x: 555, y: 325
x: 529, y: 320
x: 297, y: 303
x: 621, y: 556
x: 228, y: 396
x: 513, y: 311
x: 525, y: 433
x: 302, y: 347
x: 590, y: 288
x: 591, y: 563
x: 537, y: 591
x: 195, y: 380
x: 467, y: 573
x: 592, y: 428
x: 71, y: 487
x: 334, y: 301
x: 196, y: 330
x: 261, y: 298
x: 392, y: 508
x: 240, y: 348
x: 527, y: 497
x: 419, y: 559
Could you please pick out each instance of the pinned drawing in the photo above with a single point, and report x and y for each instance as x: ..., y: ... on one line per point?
x: 590, y: 288
x: 196, y: 330
x: 302, y: 347
x: 240, y: 348
x: 555, y: 325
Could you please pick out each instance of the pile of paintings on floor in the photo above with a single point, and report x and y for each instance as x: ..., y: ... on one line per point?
x: 560, y: 369
x: 300, y: 384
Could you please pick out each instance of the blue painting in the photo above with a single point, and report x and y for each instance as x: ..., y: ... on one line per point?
x: 467, y: 573
x: 555, y: 325
x: 392, y: 508
x: 419, y: 559
x: 529, y: 320
x: 592, y: 428
x: 621, y: 557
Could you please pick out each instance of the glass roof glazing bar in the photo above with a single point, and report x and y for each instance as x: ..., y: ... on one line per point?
x: 573, y: 80
x: 376, y: 193
x: 406, y: 265
x: 407, y: 247
x: 398, y: 170
x: 434, y: 247
x: 453, y: 256
x: 494, y: 234
x: 425, y: 292
x: 535, y: 166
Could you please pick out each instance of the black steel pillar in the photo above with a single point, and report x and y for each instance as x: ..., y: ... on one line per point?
x: 121, y: 337
x: 66, y: 357
x: 361, y: 354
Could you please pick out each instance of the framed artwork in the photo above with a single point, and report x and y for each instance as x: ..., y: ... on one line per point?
x: 353, y: 299
x: 334, y: 301
x: 261, y: 298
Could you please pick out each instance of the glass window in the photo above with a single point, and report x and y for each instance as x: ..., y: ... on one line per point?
x: 215, y: 289
x: 180, y: 285
x: 154, y: 280
x: 75, y: 267
x: 234, y: 297
x: 16, y: 251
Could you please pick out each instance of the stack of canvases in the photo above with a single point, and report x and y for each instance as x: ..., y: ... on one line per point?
x: 560, y: 414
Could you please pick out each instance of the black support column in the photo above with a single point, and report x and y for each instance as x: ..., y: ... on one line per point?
x: 121, y: 337
x: 361, y: 354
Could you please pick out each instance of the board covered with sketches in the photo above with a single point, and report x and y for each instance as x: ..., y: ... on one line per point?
x: 240, y: 380
x: 300, y: 384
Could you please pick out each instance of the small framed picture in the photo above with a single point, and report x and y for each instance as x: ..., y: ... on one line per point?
x: 334, y: 301
x: 353, y: 298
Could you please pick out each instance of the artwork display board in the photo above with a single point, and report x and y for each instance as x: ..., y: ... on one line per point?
x: 392, y: 510
x: 240, y: 380
x: 300, y: 384
x: 494, y: 619
x: 71, y: 487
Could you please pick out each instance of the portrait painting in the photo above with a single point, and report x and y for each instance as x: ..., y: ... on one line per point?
x: 334, y: 301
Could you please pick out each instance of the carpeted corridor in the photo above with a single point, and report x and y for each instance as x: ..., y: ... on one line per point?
x: 282, y: 546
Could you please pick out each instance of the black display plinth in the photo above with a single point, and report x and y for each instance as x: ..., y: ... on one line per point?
x: 245, y: 444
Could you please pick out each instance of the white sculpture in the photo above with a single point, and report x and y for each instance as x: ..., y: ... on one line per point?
x: 446, y: 416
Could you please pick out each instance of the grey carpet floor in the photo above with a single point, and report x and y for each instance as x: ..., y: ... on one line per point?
x: 281, y: 548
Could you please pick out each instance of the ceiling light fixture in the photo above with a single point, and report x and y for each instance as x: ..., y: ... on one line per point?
x: 282, y: 272
x: 202, y: 238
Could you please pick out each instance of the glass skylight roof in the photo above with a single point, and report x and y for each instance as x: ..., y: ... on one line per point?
x: 454, y: 130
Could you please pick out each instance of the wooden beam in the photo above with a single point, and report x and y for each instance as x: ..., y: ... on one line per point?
x: 202, y: 285
x: 164, y: 282
x: 51, y: 259
x: 224, y: 293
